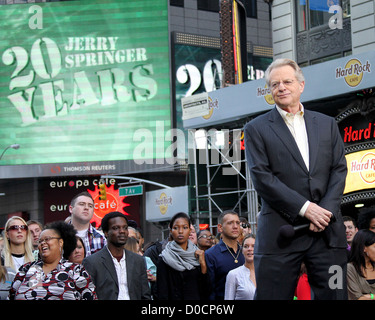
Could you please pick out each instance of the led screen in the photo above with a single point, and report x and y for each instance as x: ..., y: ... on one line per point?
x: 80, y: 79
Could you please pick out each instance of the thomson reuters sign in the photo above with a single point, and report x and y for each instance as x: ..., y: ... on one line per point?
x: 361, y: 170
x: 353, y: 72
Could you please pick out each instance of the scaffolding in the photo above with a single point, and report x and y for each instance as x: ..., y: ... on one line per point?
x: 207, y: 193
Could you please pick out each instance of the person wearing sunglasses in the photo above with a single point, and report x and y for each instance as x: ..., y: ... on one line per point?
x: 18, y: 248
x: 245, y: 229
x: 54, y: 277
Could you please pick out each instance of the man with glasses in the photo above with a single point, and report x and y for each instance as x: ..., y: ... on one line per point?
x: 297, y: 163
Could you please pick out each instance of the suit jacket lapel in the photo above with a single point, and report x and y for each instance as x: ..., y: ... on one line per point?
x: 129, y: 270
x: 313, y: 137
x: 108, y: 264
x: 282, y: 131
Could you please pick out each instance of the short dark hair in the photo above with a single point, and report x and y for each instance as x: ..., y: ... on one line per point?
x: 67, y: 233
x: 223, y: 214
x: 177, y: 216
x: 84, y: 193
x: 348, y: 218
x: 111, y: 215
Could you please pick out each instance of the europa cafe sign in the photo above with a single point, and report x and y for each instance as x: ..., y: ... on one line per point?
x: 58, y: 193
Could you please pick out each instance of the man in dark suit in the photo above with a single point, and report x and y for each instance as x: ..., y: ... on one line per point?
x: 118, y: 274
x: 297, y: 163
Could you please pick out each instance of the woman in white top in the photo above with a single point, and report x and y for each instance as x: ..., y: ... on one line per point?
x: 240, y: 283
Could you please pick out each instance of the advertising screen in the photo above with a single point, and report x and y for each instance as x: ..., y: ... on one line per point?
x: 361, y: 171
x: 79, y: 80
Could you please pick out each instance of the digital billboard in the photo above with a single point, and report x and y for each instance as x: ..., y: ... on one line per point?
x: 78, y: 81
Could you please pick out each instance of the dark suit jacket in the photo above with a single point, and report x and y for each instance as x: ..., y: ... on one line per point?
x: 103, y: 273
x: 284, y: 183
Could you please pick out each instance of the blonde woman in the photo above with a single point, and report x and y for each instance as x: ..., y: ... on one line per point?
x: 18, y: 248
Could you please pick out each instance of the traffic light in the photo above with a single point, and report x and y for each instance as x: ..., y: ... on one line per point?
x: 102, y: 192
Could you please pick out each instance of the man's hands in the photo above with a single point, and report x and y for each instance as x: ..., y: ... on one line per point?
x: 318, y: 216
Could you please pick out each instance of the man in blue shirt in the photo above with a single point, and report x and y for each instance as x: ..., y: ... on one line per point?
x: 226, y: 255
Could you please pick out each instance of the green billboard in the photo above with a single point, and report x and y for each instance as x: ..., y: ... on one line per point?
x: 79, y: 79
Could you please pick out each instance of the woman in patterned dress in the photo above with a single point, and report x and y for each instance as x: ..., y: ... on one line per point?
x: 53, y: 277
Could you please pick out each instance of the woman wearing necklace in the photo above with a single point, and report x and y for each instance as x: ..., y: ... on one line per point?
x: 18, y: 248
x: 181, y: 269
x: 240, y: 283
x: 361, y: 266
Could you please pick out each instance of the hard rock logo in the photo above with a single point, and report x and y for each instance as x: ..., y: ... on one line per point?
x: 353, y: 72
x: 266, y: 93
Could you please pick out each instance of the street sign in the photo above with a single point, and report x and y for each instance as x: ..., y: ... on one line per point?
x: 131, y: 191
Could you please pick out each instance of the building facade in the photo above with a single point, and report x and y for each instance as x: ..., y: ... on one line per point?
x: 194, y: 28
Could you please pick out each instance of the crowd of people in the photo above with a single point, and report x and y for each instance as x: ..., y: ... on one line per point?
x: 72, y: 260
x: 296, y: 160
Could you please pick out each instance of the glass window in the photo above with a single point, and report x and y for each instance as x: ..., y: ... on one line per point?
x: 209, y: 5
x: 346, y: 8
x: 176, y: 3
x: 318, y: 11
x: 251, y: 8
x: 315, y: 13
x: 301, y: 15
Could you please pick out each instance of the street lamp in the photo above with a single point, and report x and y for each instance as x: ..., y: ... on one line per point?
x: 12, y: 146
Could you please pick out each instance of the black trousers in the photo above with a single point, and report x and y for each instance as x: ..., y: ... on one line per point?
x: 277, y: 274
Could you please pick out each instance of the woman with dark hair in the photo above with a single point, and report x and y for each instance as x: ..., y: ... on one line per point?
x: 366, y: 219
x: 79, y: 253
x: 181, y: 269
x: 53, y: 277
x: 361, y: 266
